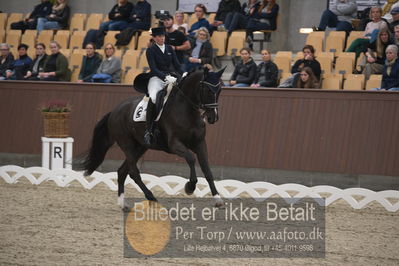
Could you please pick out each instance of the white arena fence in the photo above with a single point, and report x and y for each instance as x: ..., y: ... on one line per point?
x: 357, y: 198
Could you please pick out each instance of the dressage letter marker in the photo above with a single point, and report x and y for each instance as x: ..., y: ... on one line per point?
x: 57, y: 153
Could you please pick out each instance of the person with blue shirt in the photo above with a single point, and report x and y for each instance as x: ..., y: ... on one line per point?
x: 20, y: 67
x: 200, y: 11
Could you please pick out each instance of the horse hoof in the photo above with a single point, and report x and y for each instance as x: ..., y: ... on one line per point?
x: 189, y: 190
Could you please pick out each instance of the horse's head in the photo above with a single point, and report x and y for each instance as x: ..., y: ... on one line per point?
x: 210, y: 88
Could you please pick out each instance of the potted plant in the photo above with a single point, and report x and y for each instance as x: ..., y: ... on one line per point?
x: 56, y: 114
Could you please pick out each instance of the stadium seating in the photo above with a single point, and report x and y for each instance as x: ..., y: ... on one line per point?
x: 130, y: 75
x: 94, y: 21
x: 235, y: 43
x: 354, y: 82
x: 3, y: 21
x: 335, y: 44
x: 374, y: 82
x: 331, y: 83
x: 13, y: 38
x: 143, y: 40
x: 29, y: 40
x: 218, y: 41
x: 46, y: 36
x: 62, y: 37
x: 316, y: 41
x: 326, y: 63
x: 283, y: 63
x: 76, y: 39
x: 353, y: 36
x: 14, y: 17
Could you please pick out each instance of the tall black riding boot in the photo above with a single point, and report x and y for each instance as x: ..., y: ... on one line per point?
x: 149, y: 133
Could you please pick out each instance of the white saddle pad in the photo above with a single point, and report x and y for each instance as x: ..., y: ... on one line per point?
x: 140, y: 113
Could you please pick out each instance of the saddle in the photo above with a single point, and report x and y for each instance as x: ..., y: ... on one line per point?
x: 140, y: 112
x: 140, y: 84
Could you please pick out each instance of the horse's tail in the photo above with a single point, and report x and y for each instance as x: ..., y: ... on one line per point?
x: 100, y: 144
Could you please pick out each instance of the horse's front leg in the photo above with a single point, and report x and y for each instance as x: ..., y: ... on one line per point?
x: 181, y: 150
x: 202, y: 155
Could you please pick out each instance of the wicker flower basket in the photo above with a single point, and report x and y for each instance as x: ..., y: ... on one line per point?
x: 56, y: 125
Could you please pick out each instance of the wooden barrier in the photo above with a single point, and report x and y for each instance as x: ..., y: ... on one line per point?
x: 354, y: 132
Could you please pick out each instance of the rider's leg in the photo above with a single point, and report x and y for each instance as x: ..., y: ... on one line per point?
x: 154, y: 86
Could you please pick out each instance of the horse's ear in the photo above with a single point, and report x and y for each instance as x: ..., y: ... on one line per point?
x: 220, y: 72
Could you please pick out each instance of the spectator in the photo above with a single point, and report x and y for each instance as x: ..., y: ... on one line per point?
x: 395, y: 18
x: 390, y: 76
x: 306, y: 79
x: 109, y: 70
x: 140, y: 18
x: 244, y: 72
x: 225, y: 7
x: 266, y: 72
x: 57, y: 19
x: 375, y: 55
x: 56, y: 65
x: 200, y: 11
x: 264, y: 18
x: 182, y: 30
x: 20, y: 67
x: 239, y: 20
x: 118, y: 16
x: 6, y: 60
x: 38, y: 63
x: 339, y: 16
x: 396, y: 36
x: 201, y: 52
x: 308, y: 61
x: 90, y: 63
x: 179, y: 21
x: 41, y: 10
x: 370, y: 35
x: 387, y: 8
x: 176, y: 39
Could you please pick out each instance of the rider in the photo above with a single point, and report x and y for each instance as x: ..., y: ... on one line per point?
x: 162, y: 61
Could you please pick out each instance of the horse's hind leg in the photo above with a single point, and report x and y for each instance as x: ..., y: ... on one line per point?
x: 122, y: 174
x: 202, y: 155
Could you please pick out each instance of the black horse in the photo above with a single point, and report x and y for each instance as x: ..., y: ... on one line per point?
x: 181, y: 127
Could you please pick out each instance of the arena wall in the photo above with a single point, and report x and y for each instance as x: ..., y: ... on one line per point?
x: 351, y: 132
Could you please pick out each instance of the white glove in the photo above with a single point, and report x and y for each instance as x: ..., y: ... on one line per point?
x: 184, y: 74
x: 170, y: 79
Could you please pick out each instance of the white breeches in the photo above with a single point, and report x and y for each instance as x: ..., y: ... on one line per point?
x: 154, y: 85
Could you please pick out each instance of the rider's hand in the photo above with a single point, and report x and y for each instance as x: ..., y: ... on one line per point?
x: 170, y: 79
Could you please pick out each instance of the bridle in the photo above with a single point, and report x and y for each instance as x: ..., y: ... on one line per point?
x: 216, y: 88
x: 201, y: 105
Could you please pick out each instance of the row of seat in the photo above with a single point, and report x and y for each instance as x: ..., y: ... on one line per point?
x: 343, y: 64
x: 335, y: 41
x: 349, y: 82
x: 83, y: 21
x: 221, y: 43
